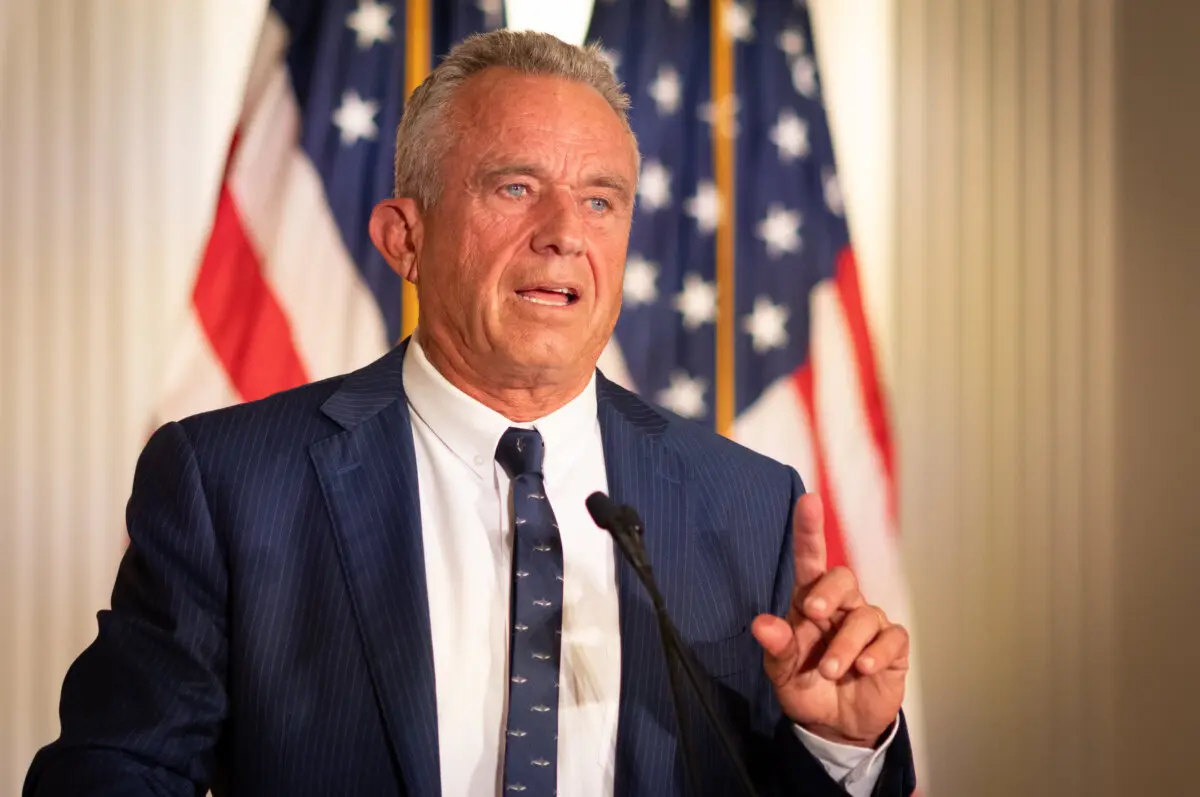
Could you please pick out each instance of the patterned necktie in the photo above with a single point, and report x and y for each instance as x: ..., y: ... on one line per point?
x: 535, y: 614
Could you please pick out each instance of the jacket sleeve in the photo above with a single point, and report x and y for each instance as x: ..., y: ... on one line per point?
x: 142, y: 707
x: 788, y: 768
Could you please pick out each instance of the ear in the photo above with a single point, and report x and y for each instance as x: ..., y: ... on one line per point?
x: 397, y: 230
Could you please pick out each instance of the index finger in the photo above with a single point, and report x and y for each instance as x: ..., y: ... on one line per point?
x: 808, y: 540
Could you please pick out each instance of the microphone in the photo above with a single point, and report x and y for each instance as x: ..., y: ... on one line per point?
x: 603, y: 510
x: 626, y: 528
x: 623, y: 523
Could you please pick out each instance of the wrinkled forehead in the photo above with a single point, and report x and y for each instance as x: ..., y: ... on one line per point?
x: 501, y: 113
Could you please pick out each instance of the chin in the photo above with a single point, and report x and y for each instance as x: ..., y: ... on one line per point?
x: 549, y: 353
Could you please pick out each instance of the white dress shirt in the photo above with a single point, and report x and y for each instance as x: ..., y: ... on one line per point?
x: 467, y: 538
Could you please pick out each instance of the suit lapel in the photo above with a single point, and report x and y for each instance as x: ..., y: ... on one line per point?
x: 649, y: 476
x: 369, y: 478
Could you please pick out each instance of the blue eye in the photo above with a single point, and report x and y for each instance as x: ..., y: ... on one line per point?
x: 516, y: 189
x: 599, y: 204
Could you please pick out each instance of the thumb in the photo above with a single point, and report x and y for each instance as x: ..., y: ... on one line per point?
x: 779, y: 646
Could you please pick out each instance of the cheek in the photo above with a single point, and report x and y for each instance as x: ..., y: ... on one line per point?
x: 461, y: 260
x: 490, y: 243
x: 609, y: 263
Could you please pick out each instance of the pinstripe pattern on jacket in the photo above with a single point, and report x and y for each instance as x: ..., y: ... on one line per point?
x: 269, y: 630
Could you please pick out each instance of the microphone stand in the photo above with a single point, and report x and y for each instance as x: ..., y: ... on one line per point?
x: 636, y: 556
x: 626, y: 528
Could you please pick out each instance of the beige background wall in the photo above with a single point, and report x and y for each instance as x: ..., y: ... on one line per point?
x: 1157, y: 570
x: 1047, y: 322
x: 1004, y: 329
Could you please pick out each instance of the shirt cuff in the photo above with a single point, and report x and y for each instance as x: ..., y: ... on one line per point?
x: 855, y: 769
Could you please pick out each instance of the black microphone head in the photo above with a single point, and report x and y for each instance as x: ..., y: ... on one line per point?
x: 603, y: 510
x: 630, y: 518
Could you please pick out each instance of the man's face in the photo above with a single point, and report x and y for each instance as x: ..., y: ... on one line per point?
x: 521, y: 258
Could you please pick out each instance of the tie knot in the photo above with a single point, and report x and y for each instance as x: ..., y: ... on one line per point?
x: 520, y: 451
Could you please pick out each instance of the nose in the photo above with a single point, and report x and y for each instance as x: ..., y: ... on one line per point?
x: 560, y: 230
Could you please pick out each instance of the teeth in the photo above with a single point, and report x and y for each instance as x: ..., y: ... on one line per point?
x: 536, y: 300
x: 566, y: 293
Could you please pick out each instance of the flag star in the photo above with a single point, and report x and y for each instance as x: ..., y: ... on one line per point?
x: 790, y: 135
x: 833, y: 193
x: 780, y: 230
x: 356, y: 118
x: 804, y: 76
x: 766, y: 325
x: 722, y: 115
x: 738, y: 21
x: 370, y: 23
x: 705, y: 206
x: 697, y: 302
x: 612, y: 58
x: 791, y: 41
x: 641, y: 281
x: 654, y: 185
x: 684, y: 395
x: 666, y: 90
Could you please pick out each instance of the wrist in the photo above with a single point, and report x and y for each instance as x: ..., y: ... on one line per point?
x: 834, y: 736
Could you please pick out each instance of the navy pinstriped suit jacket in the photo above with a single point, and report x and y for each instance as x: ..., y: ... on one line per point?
x: 269, y: 631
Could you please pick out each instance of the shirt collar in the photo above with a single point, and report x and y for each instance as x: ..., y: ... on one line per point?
x: 472, y: 430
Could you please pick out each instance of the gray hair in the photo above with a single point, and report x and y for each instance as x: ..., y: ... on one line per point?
x: 421, y: 137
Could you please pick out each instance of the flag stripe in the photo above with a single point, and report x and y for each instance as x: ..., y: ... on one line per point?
x: 850, y: 458
x: 850, y: 294
x: 854, y: 466
x: 239, y: 313
x: 335, y: 320
x: 777, y: 425
x: 196, y: 381
x: 835, y: 543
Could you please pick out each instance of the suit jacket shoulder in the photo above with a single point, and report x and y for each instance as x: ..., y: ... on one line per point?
x: 284, y: 424
x: 725, y: 471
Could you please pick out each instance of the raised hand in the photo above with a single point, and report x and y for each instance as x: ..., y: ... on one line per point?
x: 838, y: 665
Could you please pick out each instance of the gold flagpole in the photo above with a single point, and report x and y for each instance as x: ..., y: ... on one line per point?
x: 723, y: 173
x: 418, y: 35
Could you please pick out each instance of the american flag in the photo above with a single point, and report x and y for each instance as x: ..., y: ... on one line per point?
x: 290, y: 289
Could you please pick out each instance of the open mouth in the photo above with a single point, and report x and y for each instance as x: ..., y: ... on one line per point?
x: 550, y: 296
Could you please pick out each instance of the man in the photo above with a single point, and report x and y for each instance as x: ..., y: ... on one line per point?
x: 388, y: 583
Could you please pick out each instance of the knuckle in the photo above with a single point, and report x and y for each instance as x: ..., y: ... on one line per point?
x: 865, y: 615
x: 844, y: 645
x: 893, y: 641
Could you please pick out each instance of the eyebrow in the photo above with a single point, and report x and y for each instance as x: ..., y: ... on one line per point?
x: 614, y: 182
x: 605, y: 179
x: 493, y: 172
